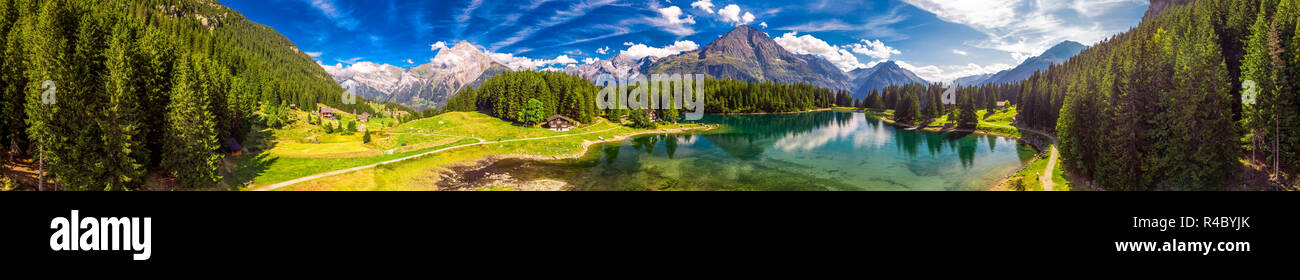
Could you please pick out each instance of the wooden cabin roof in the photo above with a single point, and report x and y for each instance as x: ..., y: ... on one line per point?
x: 557, y: 116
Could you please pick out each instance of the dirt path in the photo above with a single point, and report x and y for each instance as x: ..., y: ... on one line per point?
x: 1046, y: 177
x: 1047, y: 172
x: 358, y: 168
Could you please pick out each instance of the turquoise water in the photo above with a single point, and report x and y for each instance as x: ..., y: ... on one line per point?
x: 805, y: 151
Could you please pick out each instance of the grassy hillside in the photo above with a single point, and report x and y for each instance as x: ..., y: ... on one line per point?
x: 501, y: 138
x: 303, y: 148
x: 144, y: 92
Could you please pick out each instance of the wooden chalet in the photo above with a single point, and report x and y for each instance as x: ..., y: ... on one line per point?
x: 326, y: 112
x: 560, y: 123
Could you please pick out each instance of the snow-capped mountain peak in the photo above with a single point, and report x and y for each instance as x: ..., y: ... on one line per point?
x: 619, y: 65
x: 423, y: 86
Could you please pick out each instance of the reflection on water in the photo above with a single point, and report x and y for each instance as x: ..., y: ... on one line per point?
x: 808, y: 151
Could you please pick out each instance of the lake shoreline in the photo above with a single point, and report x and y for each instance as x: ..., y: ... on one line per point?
x: 1001, y: 182
x: 954, y: 129
x: 479, y: 164
x: 481, y: 173
x: 776, y: 113
x: 586, y: 144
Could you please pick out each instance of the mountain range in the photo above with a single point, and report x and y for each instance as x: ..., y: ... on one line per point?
x: 620, y: 65
x: 1056, y: 55
x: 744, y: 53
x: 747, y: 54
x: 882, y: 75
x: 425, y: 86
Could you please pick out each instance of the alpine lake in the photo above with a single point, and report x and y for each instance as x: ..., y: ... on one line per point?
x: 825, y: 150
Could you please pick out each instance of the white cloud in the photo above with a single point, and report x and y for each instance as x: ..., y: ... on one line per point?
x: 960, y: 52
x: 555, y: 69
x: 437, y: 46
x: 1025, y: 28
x: 672, y: 21
x: 882, y: 26
x: 525, y: 63
x: 706, y: 5
x: 977, y: 13
x: 673, y: 15
x: 576, y: 11
x: 313, y: 54
x: 362, y: 68
x: 627, y: 43
x: 605, y: 31
x: 875, y: 49
x: 589, y: 60
x: 819, y: 26
x: 731, y: 13
x: 341, y: 19
x: 807, y: 44
x: 326, y: 7
x: 763, y: 24
x: 564, y: 59
x: 1092, y: 8
x: 604, y: 50
x: 948, y: 73
x: 879, y: 26
x: 409, y: 61
x: 638, y: 51
x: 462, y: 20
x: 350, y: 60
x: 330, y: 68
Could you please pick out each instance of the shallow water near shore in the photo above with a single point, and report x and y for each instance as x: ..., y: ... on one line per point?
x: 802, y: 151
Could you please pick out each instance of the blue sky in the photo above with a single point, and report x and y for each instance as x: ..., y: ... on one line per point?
x: 938, y: 39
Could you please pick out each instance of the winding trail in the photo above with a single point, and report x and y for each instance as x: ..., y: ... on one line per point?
x: 363, y: 167
x: 1047, y: 173
x: 1046, y: 177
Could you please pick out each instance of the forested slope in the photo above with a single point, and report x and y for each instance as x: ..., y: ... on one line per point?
x: 143, y: 85
x: 1161, y: 107
x: 507, y: 94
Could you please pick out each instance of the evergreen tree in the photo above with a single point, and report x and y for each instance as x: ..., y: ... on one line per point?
x: 966, y: 116
x: 191, y: 130
x: 65, y: 52
x: 13, y: 80
x: 639, y: 119
x: 673, y: 115
x: 1198, y: 147
x: 125, y: 153
x: 1076, y: 130
x: 1257, y: 67
x: 908, y: 109
x: 155, y: 80
x: 874, y: 101
x: 1286, y: 78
